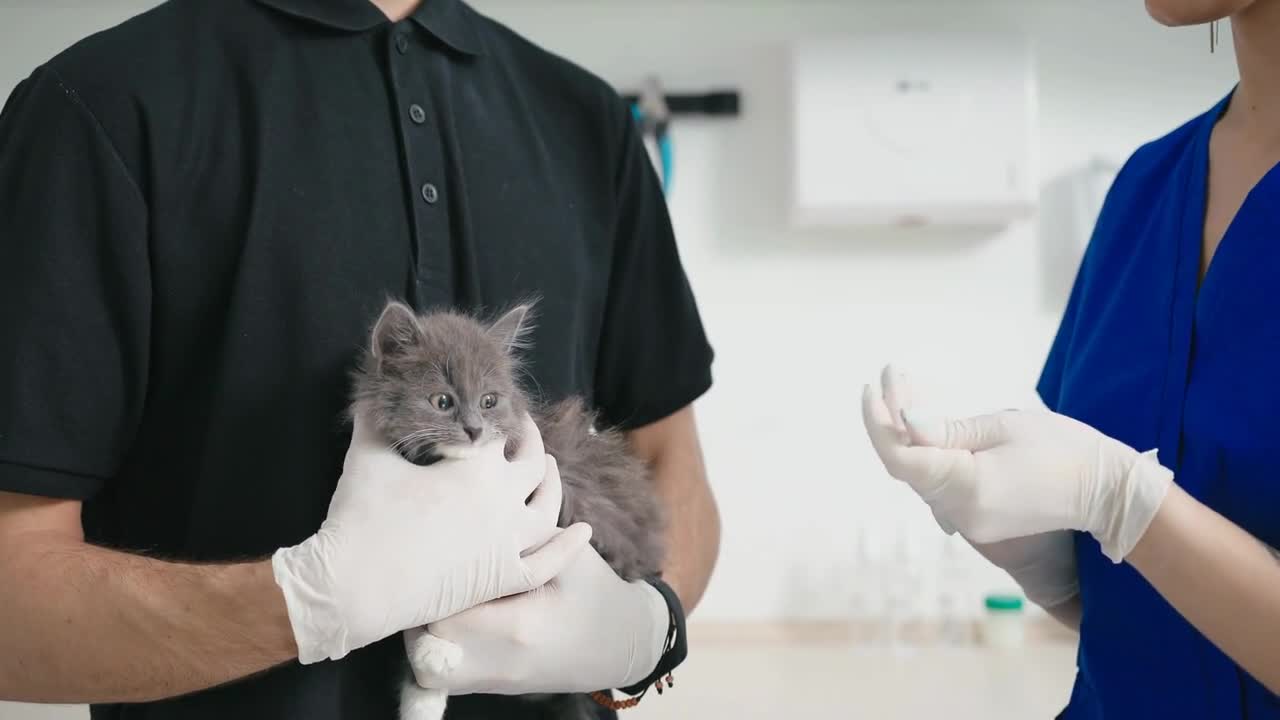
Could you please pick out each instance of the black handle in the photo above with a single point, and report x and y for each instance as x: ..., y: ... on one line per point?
x: 719, y: 102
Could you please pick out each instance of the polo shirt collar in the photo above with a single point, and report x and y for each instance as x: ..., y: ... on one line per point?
x: 448, y: 20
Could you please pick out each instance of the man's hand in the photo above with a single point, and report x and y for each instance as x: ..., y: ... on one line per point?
x: 404, y: 546
x: 586, y: 630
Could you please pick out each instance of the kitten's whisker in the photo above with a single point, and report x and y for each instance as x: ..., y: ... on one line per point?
x: 411, y: 437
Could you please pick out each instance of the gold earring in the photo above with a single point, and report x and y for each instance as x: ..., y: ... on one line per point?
x: 1213, y: 36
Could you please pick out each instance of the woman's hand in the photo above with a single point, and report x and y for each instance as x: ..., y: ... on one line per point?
x: 1043, y: 565
x: 1023, y: 473
x: 1018, y: 473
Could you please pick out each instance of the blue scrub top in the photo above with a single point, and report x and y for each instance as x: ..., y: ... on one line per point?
x: 1153, y: 357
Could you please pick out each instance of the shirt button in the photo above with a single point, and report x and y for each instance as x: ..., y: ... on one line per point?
x: 430, y: 194
x: 417, y: 114
x: 402, y: 44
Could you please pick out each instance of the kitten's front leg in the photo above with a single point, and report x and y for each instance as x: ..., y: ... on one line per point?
x: 419, y: 703
x: 429, y: 654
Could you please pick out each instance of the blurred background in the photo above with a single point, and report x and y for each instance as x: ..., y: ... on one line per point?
x: 906, y: 180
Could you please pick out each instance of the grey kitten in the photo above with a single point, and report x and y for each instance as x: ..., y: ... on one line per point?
x: 440, y: 385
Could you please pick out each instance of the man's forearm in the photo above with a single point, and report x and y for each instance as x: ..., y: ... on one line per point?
x: 84, y: 624
x: 693, y: 528
x: 671, y: 448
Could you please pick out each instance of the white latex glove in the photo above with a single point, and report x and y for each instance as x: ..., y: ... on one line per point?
x: 1043, y: 565
x: 1018, y: 473
x: 403, y: 545
x: 584, y: 631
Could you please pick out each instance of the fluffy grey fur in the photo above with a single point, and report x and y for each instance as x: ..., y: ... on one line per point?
x: 443, y: 383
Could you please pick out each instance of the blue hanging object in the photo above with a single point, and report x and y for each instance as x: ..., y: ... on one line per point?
x: 660, y: 132
x: 653, y: 109
x: 667, y: 154
x: 651, y: 112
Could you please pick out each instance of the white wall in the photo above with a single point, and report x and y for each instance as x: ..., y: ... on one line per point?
x: 801, y: 321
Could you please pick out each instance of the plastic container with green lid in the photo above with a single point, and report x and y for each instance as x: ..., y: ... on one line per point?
x: 1004, y: 626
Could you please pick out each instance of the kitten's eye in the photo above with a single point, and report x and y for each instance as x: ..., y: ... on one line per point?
x: 441, y: 401
x: 488, y: 402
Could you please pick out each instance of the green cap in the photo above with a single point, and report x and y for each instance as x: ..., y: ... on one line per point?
x: 1004, y: 603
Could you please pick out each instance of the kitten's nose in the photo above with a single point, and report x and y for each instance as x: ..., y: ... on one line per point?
x: 472, y: 432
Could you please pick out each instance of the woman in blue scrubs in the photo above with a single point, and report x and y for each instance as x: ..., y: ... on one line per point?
x: 1170, y: 344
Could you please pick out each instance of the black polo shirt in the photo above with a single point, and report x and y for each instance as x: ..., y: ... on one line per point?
x: 203, y: 210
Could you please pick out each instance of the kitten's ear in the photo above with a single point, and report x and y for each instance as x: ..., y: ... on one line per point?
x: 395, y: 330
x: 510, y: 328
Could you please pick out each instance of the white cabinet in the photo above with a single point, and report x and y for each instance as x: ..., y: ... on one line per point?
x: 913, y: 128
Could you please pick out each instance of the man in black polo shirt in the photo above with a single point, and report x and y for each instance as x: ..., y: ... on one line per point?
x: 201, y: 212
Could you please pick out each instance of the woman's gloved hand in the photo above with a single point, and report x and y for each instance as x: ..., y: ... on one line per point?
x: 403, y: 546
x: 1019, y: 473
x: 1043, y: 565
x: 586, y: 630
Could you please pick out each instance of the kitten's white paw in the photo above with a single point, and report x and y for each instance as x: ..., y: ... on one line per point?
x: 417, y: 703
x: 434, y: 656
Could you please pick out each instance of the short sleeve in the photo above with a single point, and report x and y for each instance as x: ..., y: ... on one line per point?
x: 1051, y: 377
x: 654, y: 356
x: 74, y: 296
x: 1050, y: 385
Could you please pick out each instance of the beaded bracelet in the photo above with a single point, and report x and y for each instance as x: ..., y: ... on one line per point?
x: 606, y: 700
x: 673, y: 652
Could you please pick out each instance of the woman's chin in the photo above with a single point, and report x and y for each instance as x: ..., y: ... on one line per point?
x: 1181, y: 13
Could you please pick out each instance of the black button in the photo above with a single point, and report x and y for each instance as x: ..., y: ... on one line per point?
x: 402, y: 44
x: 430, y: 194
x: 417, y: 114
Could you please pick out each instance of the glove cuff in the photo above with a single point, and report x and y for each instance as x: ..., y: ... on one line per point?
x: 318, y: 629
x: 1139, y: 496
x: 1051, y: 579
x: 675, y: 647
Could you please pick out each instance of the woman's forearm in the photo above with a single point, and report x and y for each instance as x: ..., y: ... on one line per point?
x: 85, y: 624
x: 1224, y: 582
